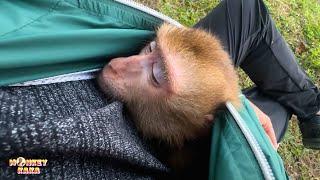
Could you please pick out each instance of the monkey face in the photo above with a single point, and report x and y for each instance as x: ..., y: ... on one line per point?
x: 172, y: 85
x: 141, y: 75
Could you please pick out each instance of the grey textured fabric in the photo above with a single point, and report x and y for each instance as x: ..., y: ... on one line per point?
x: 71, y: 124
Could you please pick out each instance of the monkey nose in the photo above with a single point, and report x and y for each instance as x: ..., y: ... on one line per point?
x: 111, y: 68
x: 117, y: 65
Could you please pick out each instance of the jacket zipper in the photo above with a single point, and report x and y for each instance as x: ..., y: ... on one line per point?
x: 253, y: 143
x: 149, y: 11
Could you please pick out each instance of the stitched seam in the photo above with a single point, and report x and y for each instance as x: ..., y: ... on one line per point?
x: 108, y: 15
x: 98, y: 14
x: 31, y: 22
x: 133, y: 14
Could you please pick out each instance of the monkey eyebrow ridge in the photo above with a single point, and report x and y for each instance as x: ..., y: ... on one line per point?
x: 164, y: 64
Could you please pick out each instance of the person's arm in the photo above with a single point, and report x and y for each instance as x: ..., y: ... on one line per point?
x: 266, y: 124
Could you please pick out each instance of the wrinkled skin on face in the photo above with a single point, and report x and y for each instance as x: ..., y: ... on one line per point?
x: 135, y: 76
x: 174, y: 85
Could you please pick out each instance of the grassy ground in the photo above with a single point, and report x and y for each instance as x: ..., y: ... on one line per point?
x: 299, y: 23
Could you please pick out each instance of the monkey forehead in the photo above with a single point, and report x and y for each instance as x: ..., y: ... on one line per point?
x: 171, y: 44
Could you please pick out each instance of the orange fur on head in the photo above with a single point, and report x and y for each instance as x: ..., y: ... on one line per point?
x: 202, y: 78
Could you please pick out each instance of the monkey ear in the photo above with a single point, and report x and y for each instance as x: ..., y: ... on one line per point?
x: 208, y: 118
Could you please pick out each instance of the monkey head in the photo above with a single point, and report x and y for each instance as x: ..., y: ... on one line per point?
x: 174, y: 86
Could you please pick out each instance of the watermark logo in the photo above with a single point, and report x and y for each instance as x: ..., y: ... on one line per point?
x: 28, y: 166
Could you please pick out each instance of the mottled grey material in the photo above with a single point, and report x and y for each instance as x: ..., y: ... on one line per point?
x: 73, y: 126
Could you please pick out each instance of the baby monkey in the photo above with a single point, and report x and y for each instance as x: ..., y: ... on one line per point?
x: 175, y: 85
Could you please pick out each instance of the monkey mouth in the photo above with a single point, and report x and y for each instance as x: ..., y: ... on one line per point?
x: 102, y: 81
x: 107, y: 87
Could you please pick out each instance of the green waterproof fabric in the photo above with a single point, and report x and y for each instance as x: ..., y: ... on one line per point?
x: 44, y: 38
x: 231, y: 156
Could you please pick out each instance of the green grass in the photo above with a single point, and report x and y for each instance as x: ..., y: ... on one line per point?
x: 299, y: 23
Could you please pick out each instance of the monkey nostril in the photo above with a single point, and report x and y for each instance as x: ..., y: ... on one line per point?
x: 112, y: 68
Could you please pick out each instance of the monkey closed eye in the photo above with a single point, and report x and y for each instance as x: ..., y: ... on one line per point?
x: 149, y: 48
x: 158, y: 75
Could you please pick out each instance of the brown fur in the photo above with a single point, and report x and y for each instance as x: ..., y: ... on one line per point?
x: 210, y: 81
